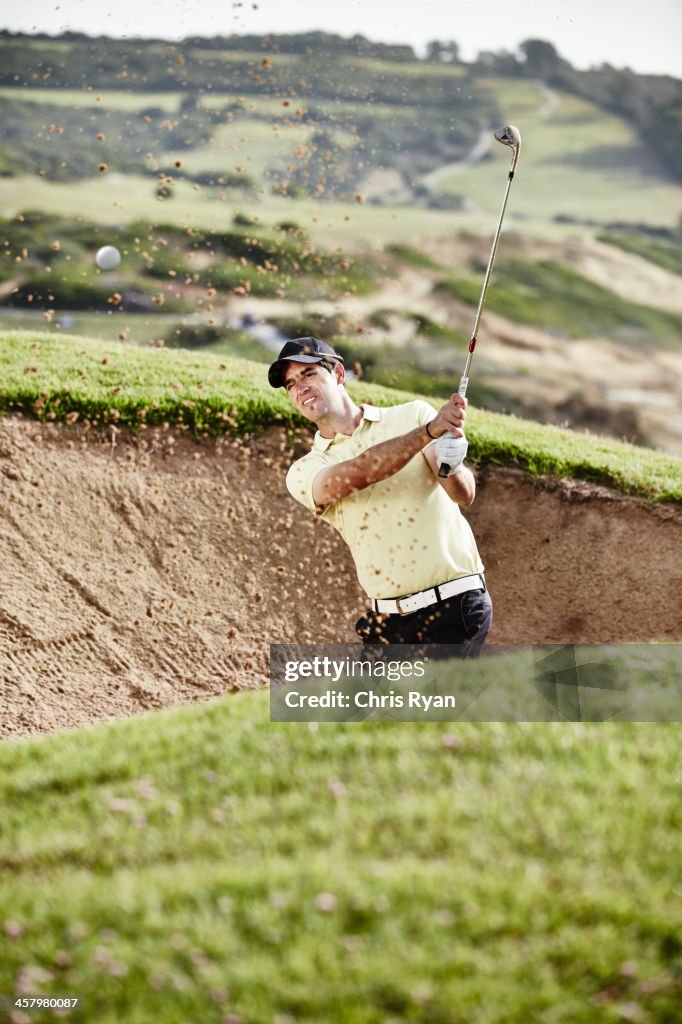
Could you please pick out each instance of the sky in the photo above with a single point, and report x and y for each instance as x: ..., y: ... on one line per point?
x: 643, y: 35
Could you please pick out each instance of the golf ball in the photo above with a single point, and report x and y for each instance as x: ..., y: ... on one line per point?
x: 108, y: 257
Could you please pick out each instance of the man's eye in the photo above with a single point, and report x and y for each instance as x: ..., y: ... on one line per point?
x: 303, y: 376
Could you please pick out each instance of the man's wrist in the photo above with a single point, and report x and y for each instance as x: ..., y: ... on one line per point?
x: 433, y: 437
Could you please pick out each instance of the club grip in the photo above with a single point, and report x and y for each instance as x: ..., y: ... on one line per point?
x: 444, y: 468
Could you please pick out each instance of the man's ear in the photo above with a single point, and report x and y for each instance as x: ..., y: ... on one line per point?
x: 339, y: 371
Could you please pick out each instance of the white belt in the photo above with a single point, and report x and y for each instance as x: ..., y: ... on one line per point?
x: 413, y: 602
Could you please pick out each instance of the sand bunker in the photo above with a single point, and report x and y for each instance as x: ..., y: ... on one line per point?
x: 141, y: 572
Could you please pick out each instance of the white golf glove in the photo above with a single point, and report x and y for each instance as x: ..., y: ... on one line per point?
x: 451, y: 450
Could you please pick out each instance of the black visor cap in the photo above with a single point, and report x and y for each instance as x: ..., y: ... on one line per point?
x: 300, y: 350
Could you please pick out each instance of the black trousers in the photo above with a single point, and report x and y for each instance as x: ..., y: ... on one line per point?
x: 464, y: 620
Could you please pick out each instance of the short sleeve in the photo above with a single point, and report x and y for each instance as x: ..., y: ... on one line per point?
x: 300, y: 479
x: 424, y: 411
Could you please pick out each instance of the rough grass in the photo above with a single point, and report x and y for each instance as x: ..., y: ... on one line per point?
x: 412, y: 257
x: 102, y: 99
x: 558, y: 298
x: 59, y: 377
x: 664, y: 249
x: 191, y: 330
x: 204, y: 864
x: 50, y: 259
x: 128, y: 197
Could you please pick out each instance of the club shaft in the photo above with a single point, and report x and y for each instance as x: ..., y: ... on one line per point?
x: 464, y: 380
x: 491, y: 259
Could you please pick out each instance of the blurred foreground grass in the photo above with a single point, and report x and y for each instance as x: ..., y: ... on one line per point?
x: 62, y: 377
x: 204, y: 864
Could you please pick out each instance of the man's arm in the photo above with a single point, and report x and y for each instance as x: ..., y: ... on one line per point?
x: 377, y: 463
x: 383, y: 460
x: 460, y: 488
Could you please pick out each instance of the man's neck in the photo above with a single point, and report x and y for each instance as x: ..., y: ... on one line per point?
x: 344, y: 422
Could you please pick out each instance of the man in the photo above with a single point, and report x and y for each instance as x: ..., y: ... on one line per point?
x: 373, y: 474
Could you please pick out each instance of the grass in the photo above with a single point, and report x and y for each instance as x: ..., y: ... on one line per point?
x: 254, y: 144
x: 664, y: 251
x: 58, y: 376
x: 192, y: 330
x: 100, y: 99
x: 578, y: 163
x: 558, y: 298
x: 47, y: 260
x: 205, y: 863
x: 124, y: 198
x: 412, y: 257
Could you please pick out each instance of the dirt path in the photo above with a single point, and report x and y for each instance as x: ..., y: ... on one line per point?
x: 158, y: 572
x: 478, y: 151
x: 484, y: 143
x: 551, y: 100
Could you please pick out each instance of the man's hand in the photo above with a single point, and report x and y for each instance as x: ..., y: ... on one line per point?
x: 452, y: 451
x: 451, y: 447
x: 450, y: 418
x: 448, y: 426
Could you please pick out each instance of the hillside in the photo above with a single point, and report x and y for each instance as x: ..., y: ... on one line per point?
x: 204, y: 863
x: 578, y: 331
x: 241, y: 188
x: 241, y: 185
x: 374, y: 104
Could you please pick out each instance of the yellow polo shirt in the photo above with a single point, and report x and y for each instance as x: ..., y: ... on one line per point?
x: 404, y: 533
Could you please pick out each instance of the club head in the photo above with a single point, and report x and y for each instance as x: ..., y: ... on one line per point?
x: 509, y: 135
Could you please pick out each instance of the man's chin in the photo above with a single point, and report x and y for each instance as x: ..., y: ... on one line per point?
x: 311, y: 412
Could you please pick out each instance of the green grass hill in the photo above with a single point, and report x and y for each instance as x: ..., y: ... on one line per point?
x: 206, y: 864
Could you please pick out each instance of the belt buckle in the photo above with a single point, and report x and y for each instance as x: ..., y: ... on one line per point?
x: 418, y: 601
x: 415, y: 604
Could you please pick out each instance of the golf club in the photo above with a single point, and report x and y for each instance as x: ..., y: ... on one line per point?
x: 508, y: 136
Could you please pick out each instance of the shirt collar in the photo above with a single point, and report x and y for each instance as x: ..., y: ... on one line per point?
x: 370, y: 413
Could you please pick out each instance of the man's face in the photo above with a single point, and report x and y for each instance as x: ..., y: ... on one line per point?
x: 312, y: 389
